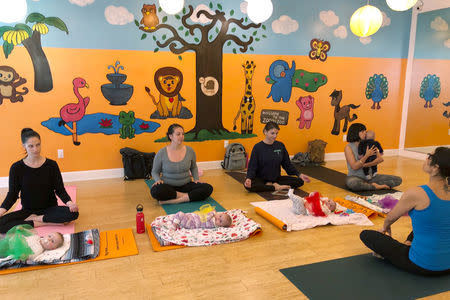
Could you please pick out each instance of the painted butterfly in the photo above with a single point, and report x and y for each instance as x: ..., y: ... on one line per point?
x: 319, y: 49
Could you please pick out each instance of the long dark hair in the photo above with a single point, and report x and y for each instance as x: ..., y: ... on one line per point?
x: 353, y: 132
x: 28, y: 133
x: 271, y: 125
x: 171, y: 129
x: 441, y: 158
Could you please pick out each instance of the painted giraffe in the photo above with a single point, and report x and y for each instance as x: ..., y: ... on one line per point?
x: 247, y: 105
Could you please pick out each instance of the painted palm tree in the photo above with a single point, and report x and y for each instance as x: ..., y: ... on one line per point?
x: 31, y: 39
x: 430, y: 89
x: 377, y: 89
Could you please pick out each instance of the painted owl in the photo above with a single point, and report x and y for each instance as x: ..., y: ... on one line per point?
x: 149, y: 17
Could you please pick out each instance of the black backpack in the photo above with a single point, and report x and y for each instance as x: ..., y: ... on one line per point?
x: 136, y: 164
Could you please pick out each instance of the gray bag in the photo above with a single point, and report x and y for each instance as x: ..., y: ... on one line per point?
x: 235, y: 157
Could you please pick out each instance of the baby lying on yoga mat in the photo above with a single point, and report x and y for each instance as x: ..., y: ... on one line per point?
x: 205, y: 217
x: 22, y: 243
x: 313, y: 205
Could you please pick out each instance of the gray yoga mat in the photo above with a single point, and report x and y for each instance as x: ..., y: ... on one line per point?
x: 280, y: 195
x: 362, y: 277
x: 335, y: 178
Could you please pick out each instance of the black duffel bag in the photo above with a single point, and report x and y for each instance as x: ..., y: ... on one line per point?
x: 136, y: 164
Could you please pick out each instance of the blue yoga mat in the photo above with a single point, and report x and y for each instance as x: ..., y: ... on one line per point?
x: 362, y: 277
x: 187, y: 207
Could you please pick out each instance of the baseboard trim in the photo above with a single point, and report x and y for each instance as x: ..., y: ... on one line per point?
x: 204, y: 165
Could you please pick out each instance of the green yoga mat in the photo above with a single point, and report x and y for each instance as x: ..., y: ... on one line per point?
x: 187, y: 207
x: 362, y: 277
x: 335, y: 178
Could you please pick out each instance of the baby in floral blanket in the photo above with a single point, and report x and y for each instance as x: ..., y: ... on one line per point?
x: 194, y: 220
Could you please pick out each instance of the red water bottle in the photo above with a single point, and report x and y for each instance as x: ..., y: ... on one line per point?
x: 140, y: 221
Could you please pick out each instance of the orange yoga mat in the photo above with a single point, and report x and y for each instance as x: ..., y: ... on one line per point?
x: 113, y: 244
x: 278, y: 223
x: 358, y: 208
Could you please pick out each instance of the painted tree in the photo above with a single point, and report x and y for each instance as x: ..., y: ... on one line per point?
x: 207, y: 41
x: 31, y: 39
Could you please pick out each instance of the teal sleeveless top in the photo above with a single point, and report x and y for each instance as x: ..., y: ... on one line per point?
x: 430, y: 248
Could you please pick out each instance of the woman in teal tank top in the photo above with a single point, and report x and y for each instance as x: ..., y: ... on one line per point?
x: 427, y: 251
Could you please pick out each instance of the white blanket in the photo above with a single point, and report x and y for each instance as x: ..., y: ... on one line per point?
x: 282, y: 210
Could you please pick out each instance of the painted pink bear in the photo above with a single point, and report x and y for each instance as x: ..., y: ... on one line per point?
x: 306, y: 106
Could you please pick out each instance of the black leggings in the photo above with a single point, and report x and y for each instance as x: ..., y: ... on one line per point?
x: 55, y: 214
x: 196, y: 191
x: 259, y: 184
x: 395, y: 252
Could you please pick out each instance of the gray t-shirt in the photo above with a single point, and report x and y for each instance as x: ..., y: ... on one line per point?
x: 174, y: 173
x: 351, y: 172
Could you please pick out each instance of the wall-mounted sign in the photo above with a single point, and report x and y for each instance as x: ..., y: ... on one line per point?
x: 280, y: 117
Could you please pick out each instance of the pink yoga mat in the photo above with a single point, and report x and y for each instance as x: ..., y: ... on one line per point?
x: 64, y: 229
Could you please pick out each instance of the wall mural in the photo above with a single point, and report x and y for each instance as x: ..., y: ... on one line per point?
x: 306, y: 106
x: 319, y: 49
x: 247, y: 106
x: 377, y: 89
x: 107, y: 124
x: 281, y: 117
x: 10, y: 80
x: 117, y: 92
x: 168, y: 82
x: 74, y: 112
x: 283, y: 79
x: 206, y: 31
x: 341, y: 113
x: 446, y: 112
x: 430, y: 88
x: 31, y: 39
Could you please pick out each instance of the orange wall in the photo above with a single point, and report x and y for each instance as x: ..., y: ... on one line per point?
x: 99, y: 151
x: 427, y: 126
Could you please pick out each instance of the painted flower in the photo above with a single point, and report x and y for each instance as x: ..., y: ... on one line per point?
x: 105, y: 123
x: 144, y: 126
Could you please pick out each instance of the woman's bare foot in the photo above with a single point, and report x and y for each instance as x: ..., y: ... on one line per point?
x: 381, y: 186
x: 279, y: 187
x: 377, y: 255
x: 31, y: 217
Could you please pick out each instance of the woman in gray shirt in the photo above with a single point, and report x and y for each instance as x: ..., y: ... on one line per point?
x: 356, y: 180
x: 170, y: 171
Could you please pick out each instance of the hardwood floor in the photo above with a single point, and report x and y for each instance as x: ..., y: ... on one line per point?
x: 244, y: 270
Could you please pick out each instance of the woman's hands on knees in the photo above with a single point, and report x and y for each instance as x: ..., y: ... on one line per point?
x: 73, y: 207
x: 157, y: 182
x: 386, y: 229
x: 248, y: 183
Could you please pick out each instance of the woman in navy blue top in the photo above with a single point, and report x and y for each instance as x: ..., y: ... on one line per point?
x: 427, y: 251
x: 38, y: 180
x: 266, y: 160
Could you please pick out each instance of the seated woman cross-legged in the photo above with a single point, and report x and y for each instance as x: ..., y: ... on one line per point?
x: 356, y: 179
x: 37, y: 179
x: 427, y: 251
x: 266, y: 160
x: 170, y: 171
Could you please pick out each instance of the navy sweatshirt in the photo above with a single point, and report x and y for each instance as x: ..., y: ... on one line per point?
x: 266, y: 162
x: 37, y: 186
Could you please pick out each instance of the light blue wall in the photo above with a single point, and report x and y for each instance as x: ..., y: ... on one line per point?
x: 433, y: 35
x: 88, y: 27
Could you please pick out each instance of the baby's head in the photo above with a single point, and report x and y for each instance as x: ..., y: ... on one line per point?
x: 330, y: 204
x: 370, y: 135
x: 222, y: 219
x: 52, y: 241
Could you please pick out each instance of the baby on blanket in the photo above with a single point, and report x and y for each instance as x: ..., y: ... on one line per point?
x: 312, y: 205
x: 206, y: 217
x: 22, y: 243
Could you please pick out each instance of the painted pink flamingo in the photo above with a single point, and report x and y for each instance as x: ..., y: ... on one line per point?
x: 74, y: 112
